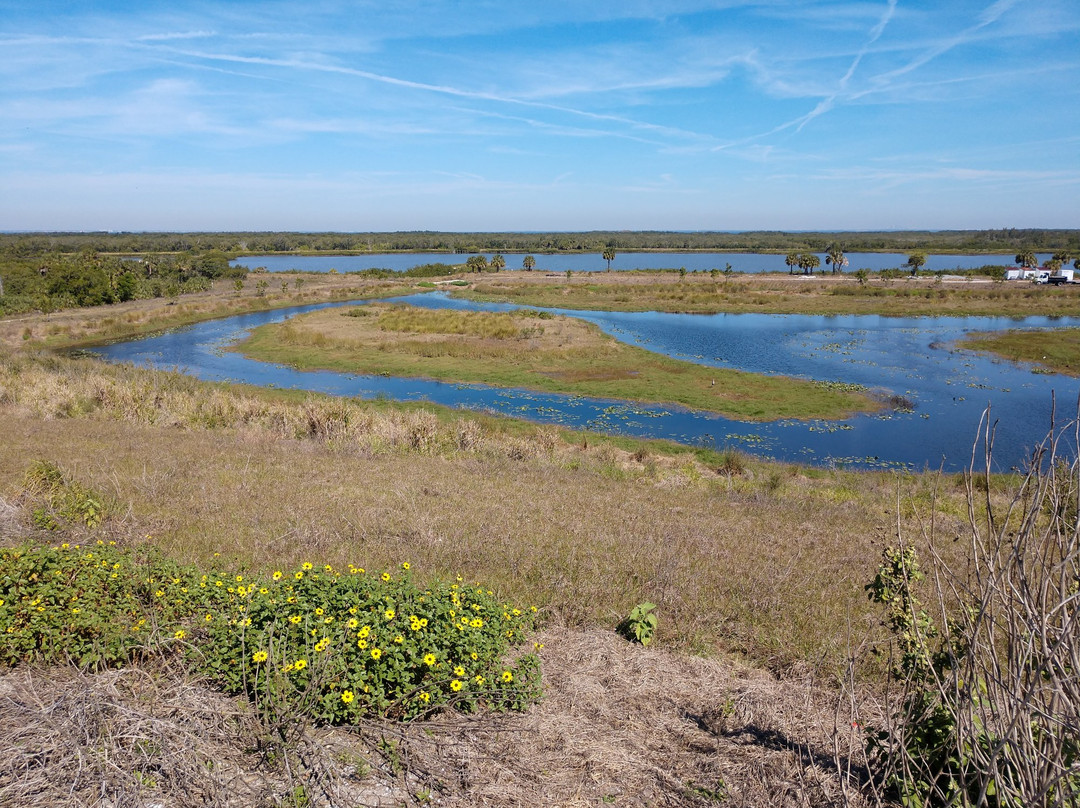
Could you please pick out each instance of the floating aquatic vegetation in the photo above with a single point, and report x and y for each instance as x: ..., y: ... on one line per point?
x: 828, y: 428
x: 845, y: 387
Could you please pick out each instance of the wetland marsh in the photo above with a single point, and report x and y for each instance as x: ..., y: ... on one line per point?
x: 938, y: 393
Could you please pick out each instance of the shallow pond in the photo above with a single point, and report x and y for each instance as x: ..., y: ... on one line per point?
x: 909, y: 357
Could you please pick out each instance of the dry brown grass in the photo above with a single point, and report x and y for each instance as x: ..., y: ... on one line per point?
x: 787, y: 294
x: 766, y: 559
x: 618, y: 724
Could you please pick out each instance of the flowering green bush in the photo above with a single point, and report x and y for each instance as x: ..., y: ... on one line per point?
x: 327, y: 644
x: 94, y: 605
x: 349, y: 643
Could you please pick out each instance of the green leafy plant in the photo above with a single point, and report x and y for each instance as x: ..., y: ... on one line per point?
x: 640, y: 625
x: 343, y: 644
x: 312, y: 643
x: 57, y: 502
x: 95, y: 605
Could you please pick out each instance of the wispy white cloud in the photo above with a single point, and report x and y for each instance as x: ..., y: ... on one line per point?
x: 893, y: 177
x: 445, y: 90
x: 171, y: 36
x: 990, y: 15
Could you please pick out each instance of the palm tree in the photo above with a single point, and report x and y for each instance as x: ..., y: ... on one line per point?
x: 609, y: 255
x: 1063, y: 256
x: 836, y: 257
x: 498, y: 262
x: 792, y: 261
x: 477, y: 263
x: 916, y: 260
x: 809, y: 262
x: 1027, y: 259
x: 528, y: 263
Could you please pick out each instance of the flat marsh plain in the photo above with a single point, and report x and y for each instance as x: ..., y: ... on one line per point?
x: 744, y: 558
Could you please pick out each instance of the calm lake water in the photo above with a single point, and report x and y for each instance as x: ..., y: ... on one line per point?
x: 593, y: 262
x: 911, y: 357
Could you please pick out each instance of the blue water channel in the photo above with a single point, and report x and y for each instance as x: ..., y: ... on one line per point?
x: 915, y: 358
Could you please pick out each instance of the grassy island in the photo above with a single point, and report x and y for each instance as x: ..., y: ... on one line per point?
x: 1057, y: 350
x: 537, y: 351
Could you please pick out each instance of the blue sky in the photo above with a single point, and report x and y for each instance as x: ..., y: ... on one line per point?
x: 555, y: 115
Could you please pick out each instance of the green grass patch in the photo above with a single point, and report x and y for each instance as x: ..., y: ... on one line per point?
x: 1057, y: 350
x: 536, y: 351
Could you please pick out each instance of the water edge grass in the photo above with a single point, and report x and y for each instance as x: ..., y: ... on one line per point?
x: 1056, y: 350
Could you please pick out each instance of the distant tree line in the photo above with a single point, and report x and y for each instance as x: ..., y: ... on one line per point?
x: 1005, y: 240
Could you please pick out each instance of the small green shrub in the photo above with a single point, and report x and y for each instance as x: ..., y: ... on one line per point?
x: 640, y: 625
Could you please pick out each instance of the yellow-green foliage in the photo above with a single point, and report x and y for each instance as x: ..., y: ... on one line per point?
x: 446, y: 321
x: 95, y: 604
x: 312, y: 641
